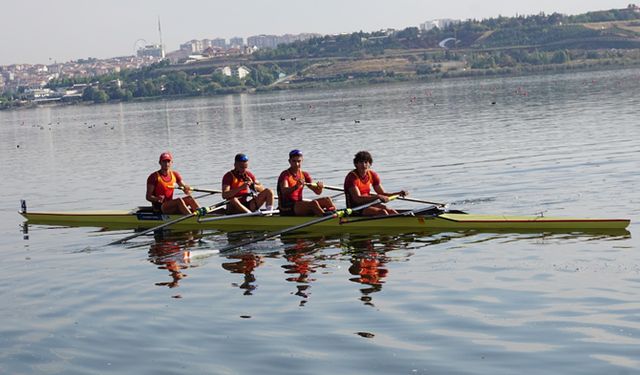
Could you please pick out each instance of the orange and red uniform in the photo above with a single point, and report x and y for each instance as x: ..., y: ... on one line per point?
x: 363, y: 184
x: 234, y: 180
x: 163, y: 185
x: 287, y: 201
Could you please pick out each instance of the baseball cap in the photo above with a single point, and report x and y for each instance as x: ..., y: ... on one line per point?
x: 295, y: 152
x: 166, y: 156
x: 241, y: 158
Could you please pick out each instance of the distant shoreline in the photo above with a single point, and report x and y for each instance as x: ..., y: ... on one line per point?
x: 361, y: 82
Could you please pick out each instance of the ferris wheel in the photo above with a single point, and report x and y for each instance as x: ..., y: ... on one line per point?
x: 138, y: 45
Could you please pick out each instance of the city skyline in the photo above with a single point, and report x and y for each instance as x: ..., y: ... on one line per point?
x: 46, y: 32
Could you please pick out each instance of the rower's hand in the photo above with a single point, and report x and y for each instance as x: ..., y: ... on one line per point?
x: 383, y: 198
x: 161, y: 199
x: 320, y: 184
x: 403, y: 193
x: 186, y: 189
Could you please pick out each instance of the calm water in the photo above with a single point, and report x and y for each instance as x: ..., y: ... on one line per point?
x: 454, y: 303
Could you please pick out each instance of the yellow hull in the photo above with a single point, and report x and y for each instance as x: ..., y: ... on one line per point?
x: 419, y: 223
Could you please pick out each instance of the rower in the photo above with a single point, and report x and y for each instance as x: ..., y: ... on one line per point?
x: 239, y: 183
x: 160, y: 186
x: 358, y: 183
x: 290, y: 186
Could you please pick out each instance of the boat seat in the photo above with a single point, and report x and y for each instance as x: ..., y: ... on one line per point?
x: 141, y: 209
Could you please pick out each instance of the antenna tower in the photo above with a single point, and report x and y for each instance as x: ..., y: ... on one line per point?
x: 161, y: 45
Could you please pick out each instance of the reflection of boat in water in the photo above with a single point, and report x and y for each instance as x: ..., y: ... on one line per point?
x: 408, y: 221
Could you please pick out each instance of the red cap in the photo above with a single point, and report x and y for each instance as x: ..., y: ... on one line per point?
x: 166, y: 156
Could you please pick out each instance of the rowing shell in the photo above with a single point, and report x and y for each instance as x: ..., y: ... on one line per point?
x: 140, y: 219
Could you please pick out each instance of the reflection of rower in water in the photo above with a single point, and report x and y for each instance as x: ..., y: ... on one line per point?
x: 302, y: 263
x: 368, y: 266
x: 244, y: 264
x: 168, y: 253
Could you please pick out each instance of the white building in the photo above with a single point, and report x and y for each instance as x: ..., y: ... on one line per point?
x: 151, y: 50
x: 239, y: 72
x: 439, y: 23
x: 219, y: 42
x: 236, y: 42
x: 242, y: 71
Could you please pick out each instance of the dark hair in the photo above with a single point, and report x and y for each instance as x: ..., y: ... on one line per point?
x: 362, y: 156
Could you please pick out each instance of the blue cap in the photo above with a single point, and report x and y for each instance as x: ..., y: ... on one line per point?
x: 241, y: 158
x: 295, y: 152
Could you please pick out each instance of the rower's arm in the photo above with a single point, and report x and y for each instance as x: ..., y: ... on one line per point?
x: 258, y: 186
x: 286, y: 189
x: 316, y: 187
x: 152, y: 198
x: 228, y: 192
x: 186, y: 188
x: 380, y: 190
x: 382, y: 195
x: 360, y: 199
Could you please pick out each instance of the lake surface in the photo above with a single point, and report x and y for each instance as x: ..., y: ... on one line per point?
x: 429, y: 303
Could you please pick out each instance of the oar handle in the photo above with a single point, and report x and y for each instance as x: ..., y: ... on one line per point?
x: 199, y: 190
x: 329, y: 187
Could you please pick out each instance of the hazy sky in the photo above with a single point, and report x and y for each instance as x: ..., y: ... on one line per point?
x: 62, y: 30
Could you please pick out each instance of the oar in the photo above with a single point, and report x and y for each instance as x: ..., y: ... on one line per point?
x: 414, y: 212
x: 340, y: 213
x: 314, y: 184
x: 198, y: 190
x: 400, y: 198
x: 199, y: 212
x: 235, y: 216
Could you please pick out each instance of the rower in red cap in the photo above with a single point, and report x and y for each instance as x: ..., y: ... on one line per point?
x: 160, y: 187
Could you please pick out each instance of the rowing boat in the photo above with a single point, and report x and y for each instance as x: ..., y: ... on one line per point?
x: 142, y: 218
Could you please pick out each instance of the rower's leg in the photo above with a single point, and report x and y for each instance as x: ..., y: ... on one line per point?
x: 304, y: 208
x: 191, y: 202
x: 235, y: 207
x: 265, y: 196
x: 376, y: 210
x: 182, y: 206
x: 175, y: 206
x: 326, y: 203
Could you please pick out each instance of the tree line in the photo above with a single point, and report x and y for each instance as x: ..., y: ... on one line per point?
x: 496, y: 32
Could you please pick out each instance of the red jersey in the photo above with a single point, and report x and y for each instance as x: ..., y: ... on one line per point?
x: 363, y: 184
x: 234, y: 180
x: 163, y: 185
x: 286, y: 200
